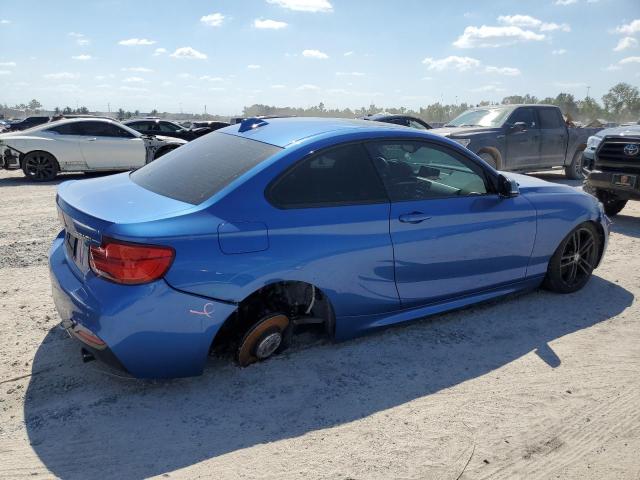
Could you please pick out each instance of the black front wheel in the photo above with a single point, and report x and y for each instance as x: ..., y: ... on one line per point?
x: 612, y: 204
x: 40, y: 166
x: 573, y: 262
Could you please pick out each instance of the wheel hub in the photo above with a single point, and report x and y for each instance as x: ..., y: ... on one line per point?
x: 268, y: 345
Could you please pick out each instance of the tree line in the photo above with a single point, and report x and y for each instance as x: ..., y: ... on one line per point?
x: 620, y: 104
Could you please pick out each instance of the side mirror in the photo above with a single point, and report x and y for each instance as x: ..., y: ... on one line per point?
x: 518, y: 127
x: 508, y: 187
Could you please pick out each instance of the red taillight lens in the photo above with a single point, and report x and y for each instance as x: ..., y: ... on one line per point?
x: 130, y: 263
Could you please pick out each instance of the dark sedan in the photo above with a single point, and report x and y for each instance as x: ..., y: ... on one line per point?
x: 404, y: 120
x: 166, y: 128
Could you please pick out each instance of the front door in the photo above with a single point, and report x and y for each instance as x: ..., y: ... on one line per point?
x: 451, y: 234
x: 523, y: 145
x: 106, y: 146
x: 554, y: 137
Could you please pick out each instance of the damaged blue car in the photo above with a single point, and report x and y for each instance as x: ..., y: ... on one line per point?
x: 240, y: 239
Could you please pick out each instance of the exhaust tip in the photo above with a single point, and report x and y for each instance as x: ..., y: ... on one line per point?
x: 86, y: 356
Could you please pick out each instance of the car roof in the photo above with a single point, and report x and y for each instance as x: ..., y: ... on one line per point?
x: 285, y: 131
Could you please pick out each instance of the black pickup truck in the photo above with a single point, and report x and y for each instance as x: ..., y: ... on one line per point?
x: 521, y: 138
x: 612, y: 165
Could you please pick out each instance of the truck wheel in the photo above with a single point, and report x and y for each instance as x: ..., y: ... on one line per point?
x: 612, y: 204
x: 40, y: 166
x: 490, y: 159
x: 574, y: 170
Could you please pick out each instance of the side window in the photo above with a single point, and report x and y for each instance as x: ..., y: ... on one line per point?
x: 68, y: 129
x: 168, y: 127
x: 550, y: 118
x: 104, y: 129
x: 340, y: 176
x: 418, y: 125
x: 526, y: 115
x: 422, y: 171
x: 399, y: 121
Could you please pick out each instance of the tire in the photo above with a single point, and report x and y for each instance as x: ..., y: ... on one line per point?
x: 612, y: 204
x: 574, y: 170
x: 490, y: 159
x: 572, y: 264
x: 40, y: 166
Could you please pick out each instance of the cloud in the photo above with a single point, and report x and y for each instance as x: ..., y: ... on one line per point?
x: 486, y: 36
x: 7, y: 64
x: 5, y: 72
x: 315, y: 54
x: 489, y: 88
x: 134, y: 80
x: 269, y: 24
x: 253, y: 67
x: 564, y: 3
x: 189, y: 53
x: 313, y: 6
x: 81, y: 38
x: 508, y: 71
x: 350, y: 74
x: 457, y: 63
x: 4, y: 21
x: 159, y: 51
x: 560, y: 51
x: 278, y: 87
x: 82, y: 58
x: 166, y: 83
x: 527, y: 21
x: 570, y: 84
x: 308, y: 87
x: 627, y: 60
x: 629, y: 29
x: 612, y: 68
x: 61, y: 76
x: 209, y: 78
x: 624, y: 43
x: 186, y: 75
x: 127, y: 88
x: 132, y: 42
x: 213, y: 20
x: 348, y: 54
x: 137, y: 69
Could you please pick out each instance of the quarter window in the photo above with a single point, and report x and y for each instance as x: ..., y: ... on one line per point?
x: 340, y: 176
x: 422, y: 171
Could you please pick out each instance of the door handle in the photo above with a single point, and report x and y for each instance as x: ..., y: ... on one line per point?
x: 413, y: 217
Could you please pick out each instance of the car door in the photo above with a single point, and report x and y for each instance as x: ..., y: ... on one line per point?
x: 67, y: 140
x: 523, y: 145
x: 553, y: 136
x: 452, y: 234
x: 107, y: 146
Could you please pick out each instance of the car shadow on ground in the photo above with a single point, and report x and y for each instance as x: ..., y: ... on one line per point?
x: 21, y: 181
x: 626, y: 225
x: 82, y: 422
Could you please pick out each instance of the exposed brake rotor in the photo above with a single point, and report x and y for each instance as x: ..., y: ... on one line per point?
x: 263, y: 339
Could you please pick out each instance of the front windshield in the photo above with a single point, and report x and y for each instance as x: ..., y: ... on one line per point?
x: 485, y: 117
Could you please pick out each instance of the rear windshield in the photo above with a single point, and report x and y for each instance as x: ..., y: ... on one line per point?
x: 198, y: 170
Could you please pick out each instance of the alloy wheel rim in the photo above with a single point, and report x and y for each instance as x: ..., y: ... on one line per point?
x: 39, y: 167
x: 578, y: 257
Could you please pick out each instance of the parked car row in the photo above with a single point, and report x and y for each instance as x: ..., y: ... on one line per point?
x: 80, y: 145
x: 172, y: 129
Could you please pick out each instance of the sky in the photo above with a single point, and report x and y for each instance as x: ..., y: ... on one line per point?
x: 224, y: 54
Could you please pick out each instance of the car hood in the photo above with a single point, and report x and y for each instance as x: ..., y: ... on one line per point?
x: 462, y: 131
x: 529, y: 184
x: 631, y: 131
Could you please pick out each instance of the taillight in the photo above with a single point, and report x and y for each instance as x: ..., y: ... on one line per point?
x: 130, y: 263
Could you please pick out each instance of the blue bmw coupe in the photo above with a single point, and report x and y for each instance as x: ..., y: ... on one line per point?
x: 251, y: 233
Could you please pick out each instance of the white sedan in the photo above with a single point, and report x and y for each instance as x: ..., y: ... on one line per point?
x: 80, y: 145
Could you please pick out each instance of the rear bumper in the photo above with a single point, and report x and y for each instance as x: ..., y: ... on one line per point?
x: 603, y: 181
x: 151, y: 331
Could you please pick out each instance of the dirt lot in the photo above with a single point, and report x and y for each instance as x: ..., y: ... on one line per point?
x: 536, y: 386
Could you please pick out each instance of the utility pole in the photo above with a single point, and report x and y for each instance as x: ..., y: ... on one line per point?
x: 108, y: 107
x: 588, y: 88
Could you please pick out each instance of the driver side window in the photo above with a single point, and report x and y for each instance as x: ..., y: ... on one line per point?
x: 422, y: 171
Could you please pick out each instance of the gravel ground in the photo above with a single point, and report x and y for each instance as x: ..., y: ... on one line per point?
x: 535, y: 386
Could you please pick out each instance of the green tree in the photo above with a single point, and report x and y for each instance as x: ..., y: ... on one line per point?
x: 567, y: 103
x: 622, y: 102
x: 67, y: 110
x: 34, y: 105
